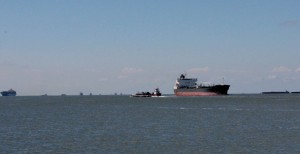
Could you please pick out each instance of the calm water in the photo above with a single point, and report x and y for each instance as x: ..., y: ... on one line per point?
x: 120, y: 124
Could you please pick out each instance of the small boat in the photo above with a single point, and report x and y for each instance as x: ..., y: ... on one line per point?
x: 9, y: 92
x: 156, y: 93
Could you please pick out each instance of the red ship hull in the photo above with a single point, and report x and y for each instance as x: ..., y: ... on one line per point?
x: 196, y: 94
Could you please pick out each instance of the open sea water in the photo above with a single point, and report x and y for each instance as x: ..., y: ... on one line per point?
x: 121, y: 124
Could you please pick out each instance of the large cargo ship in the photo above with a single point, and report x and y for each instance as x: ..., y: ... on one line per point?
x: 189, y: 87
x: 9, y: 93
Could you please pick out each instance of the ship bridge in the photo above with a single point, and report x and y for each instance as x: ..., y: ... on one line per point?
x: 183, y: 82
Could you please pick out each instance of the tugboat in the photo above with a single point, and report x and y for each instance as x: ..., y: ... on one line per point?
x: 9, y: 92
x: 156, y: 93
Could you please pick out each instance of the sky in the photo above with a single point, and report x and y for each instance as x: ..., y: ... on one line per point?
x: 125, y: 46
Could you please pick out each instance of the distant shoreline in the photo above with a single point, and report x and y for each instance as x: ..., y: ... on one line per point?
x: 232, y: 94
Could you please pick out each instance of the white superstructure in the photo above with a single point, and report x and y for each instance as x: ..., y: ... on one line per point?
x: 182, y: 82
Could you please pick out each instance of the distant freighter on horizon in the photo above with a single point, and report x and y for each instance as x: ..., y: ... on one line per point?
x: 189, y: 87
x: 9, y: 93
x: 276, y: 92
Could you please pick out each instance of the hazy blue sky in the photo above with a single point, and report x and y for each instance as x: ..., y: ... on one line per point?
x: 95, y: 46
